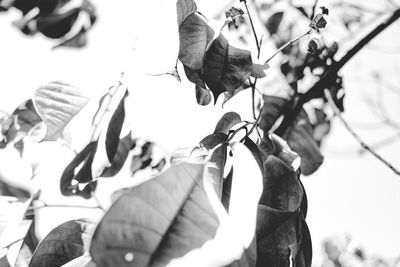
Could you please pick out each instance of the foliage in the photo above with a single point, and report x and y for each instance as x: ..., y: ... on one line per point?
x: 235, y: 199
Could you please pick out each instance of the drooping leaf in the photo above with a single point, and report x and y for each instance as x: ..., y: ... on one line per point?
x: 125, y: 145
x: 143, y: 229
x: 79, y: 171
x: 300, y: 138
x: 280, y: 223
x: 227, y: 121
x: 271, y: 111
x: 273, y: 22
x: 114, y: 129
x: 57, y: 103
x: 203, y: 95
x: 64, y: 243
x: 226, y: 67
x: 194, y: 36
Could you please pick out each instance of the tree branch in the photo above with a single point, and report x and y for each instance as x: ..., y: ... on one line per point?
x: 351, y: 131
x: 317, y: 89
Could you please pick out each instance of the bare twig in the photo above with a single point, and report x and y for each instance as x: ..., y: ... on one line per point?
x: 313, y: 9
x: 287, y: 44
x: 351, y: 131
x: 382, y: 143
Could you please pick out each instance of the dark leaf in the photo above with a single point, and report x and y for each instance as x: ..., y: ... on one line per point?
x: 72, y: 176
x: 78, y: 40
x: 273, y: 22
x: 226, y: 67
x: 203, y: 95
x: 271, y: 111
x: 114, y: 129
x: 125, y: 145
x: 143, y: 229
x: 302, y: 11
x: 227, y: 121
x: 66, y: 242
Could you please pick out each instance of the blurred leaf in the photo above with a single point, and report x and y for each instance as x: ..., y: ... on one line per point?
x: 143, y: 229
x: 272, y: 109
x: 273, y: 22
x: 300, y: 138
x: 9, y: 190
x: 236, y: 17
x: 227, y: 121
x: 78, y: 40
x: 79, y: 171
x: 64, y: 243
x: 57, y: 103
x: 125, y: 145
x: 19, y: 123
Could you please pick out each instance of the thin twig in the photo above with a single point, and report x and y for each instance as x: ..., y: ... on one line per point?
x: 287, y: 44
x: 313, y: 9
x: 316, y: 89
x: 351, y: 131
x: 64, y: 206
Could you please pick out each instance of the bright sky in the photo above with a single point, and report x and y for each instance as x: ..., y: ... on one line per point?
x: 349, y: 194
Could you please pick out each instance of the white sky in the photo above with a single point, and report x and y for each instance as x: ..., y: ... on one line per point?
x: 349, y: 194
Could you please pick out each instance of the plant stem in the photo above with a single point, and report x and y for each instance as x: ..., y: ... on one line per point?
x: 317, y: 89
x: 355, y: 135
x: 64, y: 206
x: 286, y: 45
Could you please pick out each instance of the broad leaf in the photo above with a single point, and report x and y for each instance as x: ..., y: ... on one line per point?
x: 57, y: 103
x: 143, y: 229
x: 194, y: 36
x: 184, y: 9
x: 214, y: 168
x: 66, y: 242
x: 300, y: 138
x: 227, y: 121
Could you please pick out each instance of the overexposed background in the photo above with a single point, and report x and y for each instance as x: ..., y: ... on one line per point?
x: 351, y: 194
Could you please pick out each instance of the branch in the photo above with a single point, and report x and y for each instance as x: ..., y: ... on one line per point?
x: 318, y: 87
x: 358, y: 139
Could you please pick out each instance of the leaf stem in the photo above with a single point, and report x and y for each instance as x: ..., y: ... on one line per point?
x: 354, y: 134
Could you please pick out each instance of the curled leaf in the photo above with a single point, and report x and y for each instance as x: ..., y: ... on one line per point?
x: 227, y: 121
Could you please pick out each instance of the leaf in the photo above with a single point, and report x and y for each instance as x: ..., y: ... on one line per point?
x: 125, y: 145
x: 280, y: 223
x: 143, y: 229
x: 57, y: 103
x: 144, y: 159
x: 203, y: 95
x: 214, y: 168
x: 82, y: 261
x: 114, y: 129
x: 184, y: 9
x: 64, y: 243
x: 273, y: 22
x: 226, y: 67
x: 213, y: 140
x: 194, y: 37
x: 227, y: 121
x: 300, y: 138
x: 272, y: 109
x: 73, y: 175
